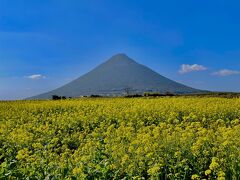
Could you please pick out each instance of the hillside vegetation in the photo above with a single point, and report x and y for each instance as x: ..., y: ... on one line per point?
x: 116, y: 138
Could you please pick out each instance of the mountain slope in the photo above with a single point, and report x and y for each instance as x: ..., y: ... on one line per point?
x: 114, y: 76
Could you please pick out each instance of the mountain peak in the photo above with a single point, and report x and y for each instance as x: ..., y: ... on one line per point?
x: 120, y: 57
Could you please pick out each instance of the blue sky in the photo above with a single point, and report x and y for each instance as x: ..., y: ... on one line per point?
x: 45, y: 44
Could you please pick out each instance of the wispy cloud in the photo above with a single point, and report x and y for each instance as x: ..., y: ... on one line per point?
x: 187, y: 68
x: 225, y: 72
x: 36, y: 76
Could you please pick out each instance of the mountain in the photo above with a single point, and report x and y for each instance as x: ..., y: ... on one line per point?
x: 116, y: 76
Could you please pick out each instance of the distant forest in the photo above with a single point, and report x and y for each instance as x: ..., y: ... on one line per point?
x: 156, y: 94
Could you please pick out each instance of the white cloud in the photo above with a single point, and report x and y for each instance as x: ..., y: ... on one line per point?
x: 186, y: 68
x: 225, y: 72
x: 36, y: 76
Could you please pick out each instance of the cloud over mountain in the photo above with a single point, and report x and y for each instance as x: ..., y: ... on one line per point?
x: 225, y: 72
x: 187, y: 68
x: 36, y: 76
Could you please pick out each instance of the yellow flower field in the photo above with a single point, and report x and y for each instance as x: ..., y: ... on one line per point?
x: 120, y: 138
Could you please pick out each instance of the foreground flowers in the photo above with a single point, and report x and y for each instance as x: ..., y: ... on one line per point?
x: 166, y: 138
